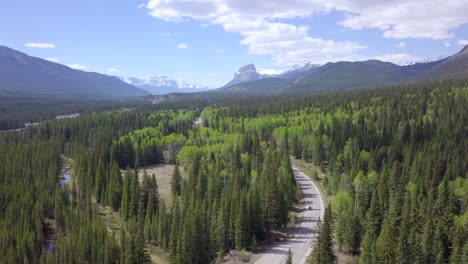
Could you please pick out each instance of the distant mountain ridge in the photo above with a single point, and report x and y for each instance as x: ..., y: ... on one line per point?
x: 162, y: 84
x: 22, y: 74
x: 345, y: 75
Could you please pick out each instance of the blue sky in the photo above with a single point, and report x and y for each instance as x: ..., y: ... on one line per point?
x: 205, y: 41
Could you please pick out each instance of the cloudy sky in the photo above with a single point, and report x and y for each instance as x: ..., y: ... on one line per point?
x: 206, y: 41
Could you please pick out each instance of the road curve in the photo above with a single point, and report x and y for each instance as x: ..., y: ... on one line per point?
x: 301, y: 243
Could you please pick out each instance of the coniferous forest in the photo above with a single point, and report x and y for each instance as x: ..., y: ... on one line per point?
x: 392, y: 161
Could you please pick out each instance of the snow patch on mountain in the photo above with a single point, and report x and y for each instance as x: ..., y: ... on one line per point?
x: 428, y: 60
x: 162, y: 84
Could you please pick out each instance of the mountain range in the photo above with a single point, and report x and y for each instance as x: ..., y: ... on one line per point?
x: 24, y: 75
x: 344, y: 75
x: 162, y: 84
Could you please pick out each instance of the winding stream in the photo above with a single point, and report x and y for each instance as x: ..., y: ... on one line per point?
x: 49, y: 230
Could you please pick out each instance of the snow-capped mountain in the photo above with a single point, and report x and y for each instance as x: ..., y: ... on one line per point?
x: 299, y: 68
x: 163, y: 84
x: 428, y: 60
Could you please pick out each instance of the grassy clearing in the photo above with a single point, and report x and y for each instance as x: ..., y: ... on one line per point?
x: 163, y: 173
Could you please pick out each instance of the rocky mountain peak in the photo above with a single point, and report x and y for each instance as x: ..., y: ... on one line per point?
x: 246, y: 73
x: 247, y: 69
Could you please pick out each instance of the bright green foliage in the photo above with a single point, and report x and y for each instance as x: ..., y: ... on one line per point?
x: 342, y: 206
x: 146, y: 146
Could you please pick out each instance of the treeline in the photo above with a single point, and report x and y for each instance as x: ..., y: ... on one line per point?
x: 16, y: 110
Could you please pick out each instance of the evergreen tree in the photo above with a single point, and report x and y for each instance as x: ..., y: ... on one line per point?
x: 322, y: 250
x: 176, y: 181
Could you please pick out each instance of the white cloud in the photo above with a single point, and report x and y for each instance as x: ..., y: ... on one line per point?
x: 40, y: 45
x: 52, y: 59
x: 266, y: 30
x: 447, y: 44
x: 401, y: 45
x: 214, y: 75
x: 398, y: 58
x: 401, y: 19
x: 77, y: 66
x: 183, y: 46
x: 219, y: 51
x: 112, y: 70
x: 141, y: 5
x: 167, y: 34
x: 463, y: 42
x: 287, y: 44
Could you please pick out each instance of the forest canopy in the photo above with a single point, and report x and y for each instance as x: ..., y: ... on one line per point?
x: 395, y: 164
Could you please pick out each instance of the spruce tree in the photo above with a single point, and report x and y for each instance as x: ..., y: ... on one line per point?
x: 322, y: 250
x: 176, y: 181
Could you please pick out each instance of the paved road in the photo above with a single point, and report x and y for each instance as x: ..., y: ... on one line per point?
x: 301, y: 243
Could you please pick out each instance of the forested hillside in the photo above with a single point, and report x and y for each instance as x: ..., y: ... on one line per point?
x: 395, y: 162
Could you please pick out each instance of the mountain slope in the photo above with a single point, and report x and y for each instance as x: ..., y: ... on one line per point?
x: 23, y: 74
x: 455, y: 66
x: 267, y: 86
x: 350, y: 75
